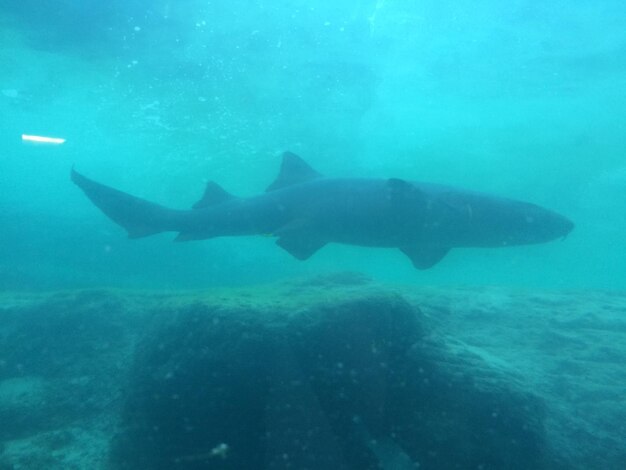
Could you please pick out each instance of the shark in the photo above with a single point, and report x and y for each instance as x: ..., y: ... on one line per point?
x: 305, y: 211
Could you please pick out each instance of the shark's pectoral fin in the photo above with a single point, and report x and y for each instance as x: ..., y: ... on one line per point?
x: 300, y: 246
x: 424, y: 257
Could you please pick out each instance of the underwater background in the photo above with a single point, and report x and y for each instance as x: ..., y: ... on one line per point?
x: 521, y: 99
x: 231, y: 354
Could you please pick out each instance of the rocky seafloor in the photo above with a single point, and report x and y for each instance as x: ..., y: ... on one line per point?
x: 333, y: 372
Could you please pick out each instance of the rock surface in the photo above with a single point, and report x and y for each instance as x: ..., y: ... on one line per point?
x: 331, y: 372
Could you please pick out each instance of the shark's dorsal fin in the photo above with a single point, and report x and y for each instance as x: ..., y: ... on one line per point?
x: 213, y: 194
x: 293, y: 170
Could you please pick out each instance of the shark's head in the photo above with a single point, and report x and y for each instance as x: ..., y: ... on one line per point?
x: 480, y: 220
x: 533, y: 224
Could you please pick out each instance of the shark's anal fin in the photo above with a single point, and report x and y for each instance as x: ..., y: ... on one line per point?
x: 213, y: 194
x: 300, y: 247
x: 293, y: 170
x: 424, y: 257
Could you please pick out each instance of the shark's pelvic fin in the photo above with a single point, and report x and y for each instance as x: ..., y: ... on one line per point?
x: 213, y: 194
x: 300, y: 247
x: 293, y: 170
x: 424, y: 257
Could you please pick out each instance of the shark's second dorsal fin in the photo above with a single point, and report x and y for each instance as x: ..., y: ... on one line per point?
x: 293, y: 170
x: 213, y: 194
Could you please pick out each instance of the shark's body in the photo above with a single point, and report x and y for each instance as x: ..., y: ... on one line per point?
x: 306, y: 211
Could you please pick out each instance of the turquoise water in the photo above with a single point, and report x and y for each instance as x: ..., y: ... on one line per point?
x: 494, y: 358
x: 523, y: 99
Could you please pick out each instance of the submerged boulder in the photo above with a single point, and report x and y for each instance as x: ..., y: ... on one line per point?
x: 62, y: 362
x: 357, y: 382
x: 328, y: 372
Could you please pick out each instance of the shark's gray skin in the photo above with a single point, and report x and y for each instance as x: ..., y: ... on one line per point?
x: 305, y: 211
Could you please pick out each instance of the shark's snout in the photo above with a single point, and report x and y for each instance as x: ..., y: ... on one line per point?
x: 558, y: 224
x: 548, y: 225
x: 568, y: 226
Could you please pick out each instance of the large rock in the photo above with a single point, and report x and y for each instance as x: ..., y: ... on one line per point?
x: 358, y: 383
x: 62, y: 363
x: 330, y: 372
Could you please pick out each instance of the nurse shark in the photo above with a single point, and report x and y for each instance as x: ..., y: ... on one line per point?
x: 305, y: 210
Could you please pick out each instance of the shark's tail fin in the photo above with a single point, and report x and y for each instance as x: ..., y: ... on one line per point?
x: 139, y: 217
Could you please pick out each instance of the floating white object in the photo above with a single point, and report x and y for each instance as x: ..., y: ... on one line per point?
x: 42, y: 139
